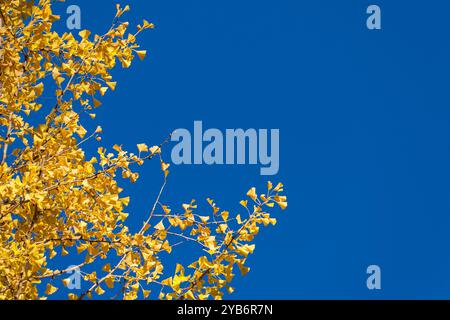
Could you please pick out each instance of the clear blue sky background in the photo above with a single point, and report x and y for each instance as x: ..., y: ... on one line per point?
x: 364, y: 120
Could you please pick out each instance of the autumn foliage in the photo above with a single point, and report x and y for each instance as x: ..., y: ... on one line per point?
x: 55, y: 200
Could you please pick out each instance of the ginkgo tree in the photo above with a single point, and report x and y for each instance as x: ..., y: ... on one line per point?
x: 55, y: 200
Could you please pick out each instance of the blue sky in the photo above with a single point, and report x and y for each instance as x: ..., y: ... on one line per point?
x: 364, y: 132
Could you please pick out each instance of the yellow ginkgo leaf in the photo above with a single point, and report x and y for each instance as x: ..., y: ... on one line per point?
x: 55, y: 73
x: 146, y: 293
x: 252, y: 194
x: 97, y: 103
x: 84, y: 34
x: 190, y: 295
x: 112, y: 85
x: 142, y: 147
x: 282, y: 204
x: 103, y: 90
x: 225, y: 215
x: 59, y: 80
x: 279, y: 187
x: 160, y: 226
x: 99, y: 290
x: 141, y: 54
x: 50, y: 289
x: 148, y: 25
x: 66, y: 282
x: 155, y: 150
x: 72, y: 296
x: 166, y: 209
x: 109, y: 282
x: 165, y: 166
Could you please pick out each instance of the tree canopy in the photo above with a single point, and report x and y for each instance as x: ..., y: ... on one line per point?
x: 55, y: 200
